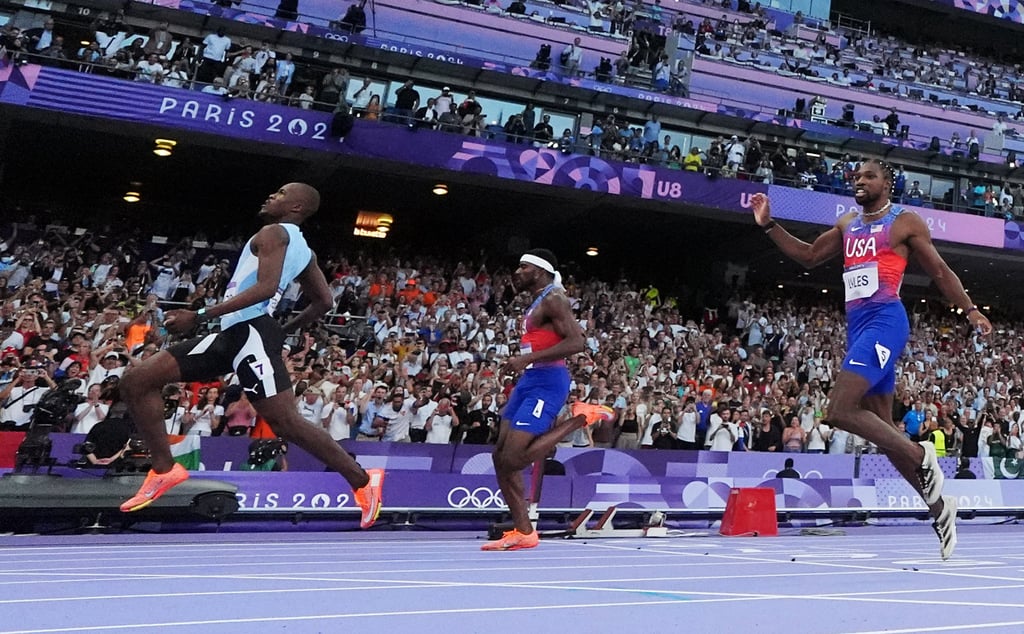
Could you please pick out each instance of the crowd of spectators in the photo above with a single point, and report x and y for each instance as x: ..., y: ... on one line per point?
x: 743, y: 33
x: 413, y: 351
x: 427, y: 339
x: 243, y: 70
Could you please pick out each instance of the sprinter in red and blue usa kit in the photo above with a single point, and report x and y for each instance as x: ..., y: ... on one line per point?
x: 528, y: 428
x: 872, y: 275
x: 876, y: 243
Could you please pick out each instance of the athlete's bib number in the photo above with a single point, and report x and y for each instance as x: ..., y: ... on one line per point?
x: 861, y: 281
x: 525, y: 349
x: 272, y: 305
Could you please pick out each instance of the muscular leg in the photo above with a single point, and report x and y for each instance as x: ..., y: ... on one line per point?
x: 280, y: 413
x: 510, y: 480
x: 880, y: 405
x: 141, y: 390
x: 514, y: 451
x: 870, y: 416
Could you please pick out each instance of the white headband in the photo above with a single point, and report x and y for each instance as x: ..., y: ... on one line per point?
x: 543, y: 265
x: 538, y: 262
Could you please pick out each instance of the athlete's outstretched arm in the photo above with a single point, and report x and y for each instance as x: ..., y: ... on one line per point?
x: 914, y: 232
x: 314, y: 287
x: 809, y: 254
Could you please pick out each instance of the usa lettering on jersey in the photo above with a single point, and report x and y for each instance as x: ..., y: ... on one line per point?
x: 861, y: 247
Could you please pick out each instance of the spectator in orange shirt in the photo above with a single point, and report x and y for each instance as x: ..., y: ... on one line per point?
x: 430, y: 297
x: 381, y: 288
x: 410, y: 292
x: 135, y: 334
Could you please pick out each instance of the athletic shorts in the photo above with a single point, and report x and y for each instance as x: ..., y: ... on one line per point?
x: 876, y: 339
x: 537, y: 398
x: 252, y: 349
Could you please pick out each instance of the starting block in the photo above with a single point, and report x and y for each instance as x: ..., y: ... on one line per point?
x: 750, y: 512
x: 579, y: 528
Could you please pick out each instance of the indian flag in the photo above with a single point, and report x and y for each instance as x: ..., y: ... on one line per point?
x: 185, y: 450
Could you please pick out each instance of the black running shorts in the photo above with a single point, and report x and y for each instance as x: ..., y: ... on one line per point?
x: 252, y: 349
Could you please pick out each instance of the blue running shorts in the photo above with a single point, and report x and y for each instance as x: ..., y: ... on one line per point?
x: 876, y: 337
x: 537, y: 398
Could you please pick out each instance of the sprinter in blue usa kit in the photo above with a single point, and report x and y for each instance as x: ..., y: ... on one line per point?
x: 876, y: 243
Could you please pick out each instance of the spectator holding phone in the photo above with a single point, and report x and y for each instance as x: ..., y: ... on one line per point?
x: 20, y: 397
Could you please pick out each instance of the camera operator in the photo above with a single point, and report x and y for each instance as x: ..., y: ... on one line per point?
x: 177, y: 416
x: 20, y: 398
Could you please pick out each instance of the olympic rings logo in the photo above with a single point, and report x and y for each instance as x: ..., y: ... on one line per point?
x: 479, y: 498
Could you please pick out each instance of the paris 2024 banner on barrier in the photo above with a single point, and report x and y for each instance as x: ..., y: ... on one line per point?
x: 461, y: 477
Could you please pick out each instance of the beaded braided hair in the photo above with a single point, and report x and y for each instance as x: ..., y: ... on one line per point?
x: 890, y: 173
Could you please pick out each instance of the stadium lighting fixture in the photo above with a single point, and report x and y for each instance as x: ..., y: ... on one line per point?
x: 164, y: 147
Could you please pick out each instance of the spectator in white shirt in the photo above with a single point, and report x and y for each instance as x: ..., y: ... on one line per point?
x: 149, y: 70
x: 440, y: 423
x: 90, y: 412
x: 721, y: 430
x: 817, y: 437
x: 215, y: 51
x: 206, y: 414
x: 311, y: 405
x: 337, y: 418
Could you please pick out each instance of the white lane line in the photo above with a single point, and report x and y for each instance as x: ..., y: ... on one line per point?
x: 846, y: 566
x: 576, y: 606
x: 822, y: 573
x: 945, y: 602
x: 187, y: 551
x: 217, y: 593
x: 739, y: 560
x: 170, y: 541
x: 342, y: 542
x: 945, y: 628
x: 285, y: 619
x: 76, y: 579
x: 348, y: 570
x: 405, y: 584
x: 248, y: 559
x: 289, y: 549
x: 873, y: 593
x: 396, y: 584
x: 731, y: 560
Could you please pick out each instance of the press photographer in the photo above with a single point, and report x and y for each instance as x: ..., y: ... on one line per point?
x: 20, y: 398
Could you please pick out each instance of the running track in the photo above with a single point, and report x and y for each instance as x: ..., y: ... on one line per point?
x: 872, y: 579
